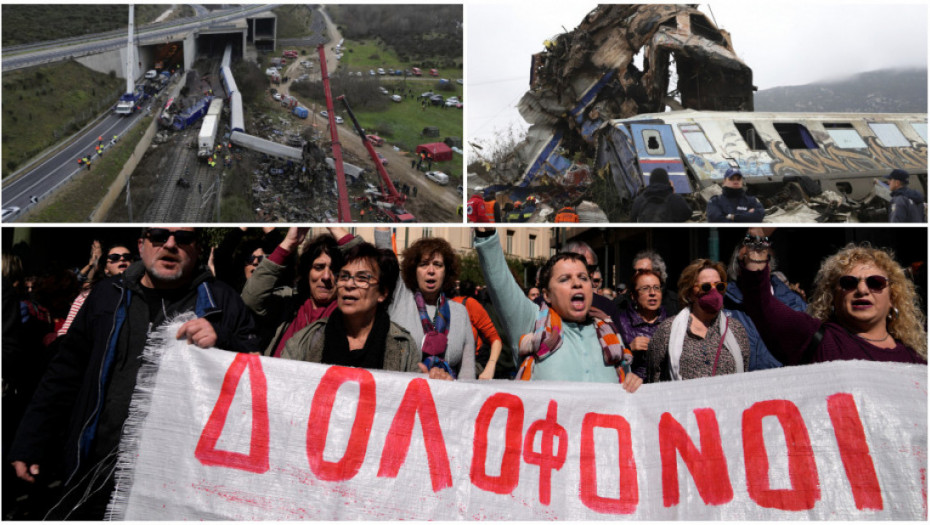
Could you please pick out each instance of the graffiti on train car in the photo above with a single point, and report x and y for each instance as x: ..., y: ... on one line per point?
x: 832, y: 159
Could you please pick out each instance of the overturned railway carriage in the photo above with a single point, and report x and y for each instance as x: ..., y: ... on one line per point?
x: 843, y: 151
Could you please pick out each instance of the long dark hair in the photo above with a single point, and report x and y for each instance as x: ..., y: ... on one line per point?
x: 324, y: 243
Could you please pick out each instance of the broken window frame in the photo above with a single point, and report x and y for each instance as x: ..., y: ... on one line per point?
x: 889, y: 135
x: 694, y: 130
x: 920, y: 128
x: 794, y: 135
x: 844, y: 135
x: 647, y: 134
x: 753, y: 141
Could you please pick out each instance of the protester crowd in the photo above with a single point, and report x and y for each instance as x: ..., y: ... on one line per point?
x: 73, y: 340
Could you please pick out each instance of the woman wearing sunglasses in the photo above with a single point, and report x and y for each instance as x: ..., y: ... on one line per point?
x: 863, y: 307
x: 359, y: 332
x: 700, y: 341
x: 115, y: 262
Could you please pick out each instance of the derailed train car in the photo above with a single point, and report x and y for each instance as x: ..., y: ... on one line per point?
x: 843, y: 152
x: 594, y: 112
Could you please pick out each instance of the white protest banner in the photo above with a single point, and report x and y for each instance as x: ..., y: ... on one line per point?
x: 218, y: 435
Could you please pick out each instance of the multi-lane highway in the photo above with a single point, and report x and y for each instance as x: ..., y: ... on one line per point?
x: 40, y: 180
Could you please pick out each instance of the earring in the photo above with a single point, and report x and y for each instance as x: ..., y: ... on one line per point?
x: 893, y: 314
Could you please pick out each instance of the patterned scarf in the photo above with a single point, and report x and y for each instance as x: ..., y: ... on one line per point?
x: 546, y: 338
x: 435, y: 333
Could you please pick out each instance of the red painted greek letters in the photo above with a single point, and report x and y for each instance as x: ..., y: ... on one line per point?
x: 802, y: 469
x: 257, y: 458
x: 417, y: 400
x: 318, y: 426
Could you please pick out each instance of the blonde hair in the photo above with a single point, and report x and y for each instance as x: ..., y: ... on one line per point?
x: 905, y: 322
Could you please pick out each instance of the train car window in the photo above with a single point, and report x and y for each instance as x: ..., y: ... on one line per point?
x: 920, y: 128
x: 844, y: 135
x: 889, y: 135
x: 696, y: 138
x: 795, y: 136
x: 653, y: 142
x: 750, y: 136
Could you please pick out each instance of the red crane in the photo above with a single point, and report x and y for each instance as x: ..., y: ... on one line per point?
x: 344, y: 214
x: 388, y: 191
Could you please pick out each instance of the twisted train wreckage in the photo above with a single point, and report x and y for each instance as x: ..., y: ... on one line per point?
x: 596, y: 116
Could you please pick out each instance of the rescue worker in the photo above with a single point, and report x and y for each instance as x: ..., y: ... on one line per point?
x: 567, y: 214
x: 907, y: 204
x: 734, y: 205
x: 492, y: 209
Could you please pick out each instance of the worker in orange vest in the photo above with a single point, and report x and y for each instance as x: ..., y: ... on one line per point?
x: 567, y: 214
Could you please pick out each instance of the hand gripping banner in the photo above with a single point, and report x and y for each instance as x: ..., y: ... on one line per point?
x: 218, y: 435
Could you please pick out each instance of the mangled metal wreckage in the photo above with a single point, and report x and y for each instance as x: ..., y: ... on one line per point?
x: 589, y: 100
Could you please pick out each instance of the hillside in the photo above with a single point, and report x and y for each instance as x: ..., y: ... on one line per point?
x: 885, y: 91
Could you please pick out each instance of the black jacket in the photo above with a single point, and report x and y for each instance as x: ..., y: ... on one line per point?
x: 907, y: 205
x: 660, y: 203
x: 93, y: 374
x: 736, y: 202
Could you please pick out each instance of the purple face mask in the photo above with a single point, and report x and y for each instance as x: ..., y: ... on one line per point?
x: 711, y: 302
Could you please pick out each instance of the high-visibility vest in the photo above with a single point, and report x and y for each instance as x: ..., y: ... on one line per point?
x: 489, y: 209
x: 567, y: 214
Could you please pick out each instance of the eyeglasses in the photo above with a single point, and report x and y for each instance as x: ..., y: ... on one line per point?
x: 159, y: 236
x: 706, y: 287
x: 361, y: 280
x: 114, y: 257
x: 875, y: 283
x: 655, y: 288
x: 255, y: 260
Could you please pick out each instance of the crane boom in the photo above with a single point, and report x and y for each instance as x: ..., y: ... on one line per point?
x: 395, y: 196
x: 344, y: 214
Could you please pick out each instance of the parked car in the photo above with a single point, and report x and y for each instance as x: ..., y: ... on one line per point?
x: 433, y: 73
x: 376, y: 140
x: 459, y: 80
x: 438, y: 177
x: 436, y: 100
x: 383, y: 160
x: 416, y: 71
x: 339, y: 119
x: 371, y: 72
x: 324, y: 113
x: 380, y: 70
x: 383, y: 90
x: 396, y: 98
x: 428, y: 94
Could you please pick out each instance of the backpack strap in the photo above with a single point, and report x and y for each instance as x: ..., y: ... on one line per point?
x: 812, y: 346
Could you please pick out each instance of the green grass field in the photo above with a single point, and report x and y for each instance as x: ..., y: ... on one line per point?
x: 43, y: 105
x: 365, y: 55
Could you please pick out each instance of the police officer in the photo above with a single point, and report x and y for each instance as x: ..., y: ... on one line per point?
x: 907, y: 204
x: 734, y: 205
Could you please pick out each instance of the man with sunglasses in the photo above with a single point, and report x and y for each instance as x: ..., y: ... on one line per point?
x: 86, y: 392
x: 599, y: 301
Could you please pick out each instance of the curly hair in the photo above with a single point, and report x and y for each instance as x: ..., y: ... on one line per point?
x: 428, y: 247
x: 690, y: 274
x: 906, y: 321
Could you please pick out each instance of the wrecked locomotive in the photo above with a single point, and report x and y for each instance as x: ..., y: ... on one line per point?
x: 594, y: 111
